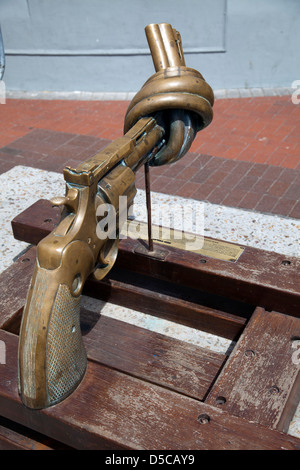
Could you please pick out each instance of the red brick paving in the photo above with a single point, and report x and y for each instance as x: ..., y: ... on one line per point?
x: 249, y: 156
x: 260, y: 130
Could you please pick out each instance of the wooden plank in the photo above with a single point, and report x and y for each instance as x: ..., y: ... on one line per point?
x: 258, y: 277
x: 153, y: 357
x: 14, y: 283
x: 259, y: 378
x: 111, y: 410
x: 167, y: 301
x: 12, y: 440
x: 43, y: 217
x: 16, y: 437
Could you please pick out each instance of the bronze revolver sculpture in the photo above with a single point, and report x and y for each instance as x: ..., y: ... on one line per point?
x: 160, y: 125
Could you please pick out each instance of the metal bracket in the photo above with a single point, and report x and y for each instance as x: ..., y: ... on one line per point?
x: 157, y: 254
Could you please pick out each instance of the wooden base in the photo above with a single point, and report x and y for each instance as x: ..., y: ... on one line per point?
x: 144, y: 390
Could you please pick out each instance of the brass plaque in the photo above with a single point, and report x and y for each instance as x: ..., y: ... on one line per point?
x: 183, y: 241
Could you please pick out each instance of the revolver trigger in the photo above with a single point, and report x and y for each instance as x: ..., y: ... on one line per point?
x: 107, y: 258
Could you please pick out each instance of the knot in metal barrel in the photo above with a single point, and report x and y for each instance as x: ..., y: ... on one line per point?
x: 185, y: 100
x: 178, y: 94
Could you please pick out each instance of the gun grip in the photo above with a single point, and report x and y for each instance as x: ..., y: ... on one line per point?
x: 52, y: 358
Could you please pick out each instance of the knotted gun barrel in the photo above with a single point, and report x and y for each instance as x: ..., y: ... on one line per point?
x: 160, y: 125
x: 180, y: 93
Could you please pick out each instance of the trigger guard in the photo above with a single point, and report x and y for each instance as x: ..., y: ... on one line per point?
x: 106, y: 259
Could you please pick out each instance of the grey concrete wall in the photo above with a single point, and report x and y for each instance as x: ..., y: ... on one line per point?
x: 100, y: 45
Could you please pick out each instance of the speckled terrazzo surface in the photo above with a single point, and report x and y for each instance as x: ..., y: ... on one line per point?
x: 22, y: 186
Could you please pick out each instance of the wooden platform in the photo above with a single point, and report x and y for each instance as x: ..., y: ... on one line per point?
x: 144, y: 390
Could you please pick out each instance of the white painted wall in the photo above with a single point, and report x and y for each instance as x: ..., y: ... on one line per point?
x: 100, y: 45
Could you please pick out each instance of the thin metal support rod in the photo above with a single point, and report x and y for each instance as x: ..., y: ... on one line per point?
x: 148, y: 205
